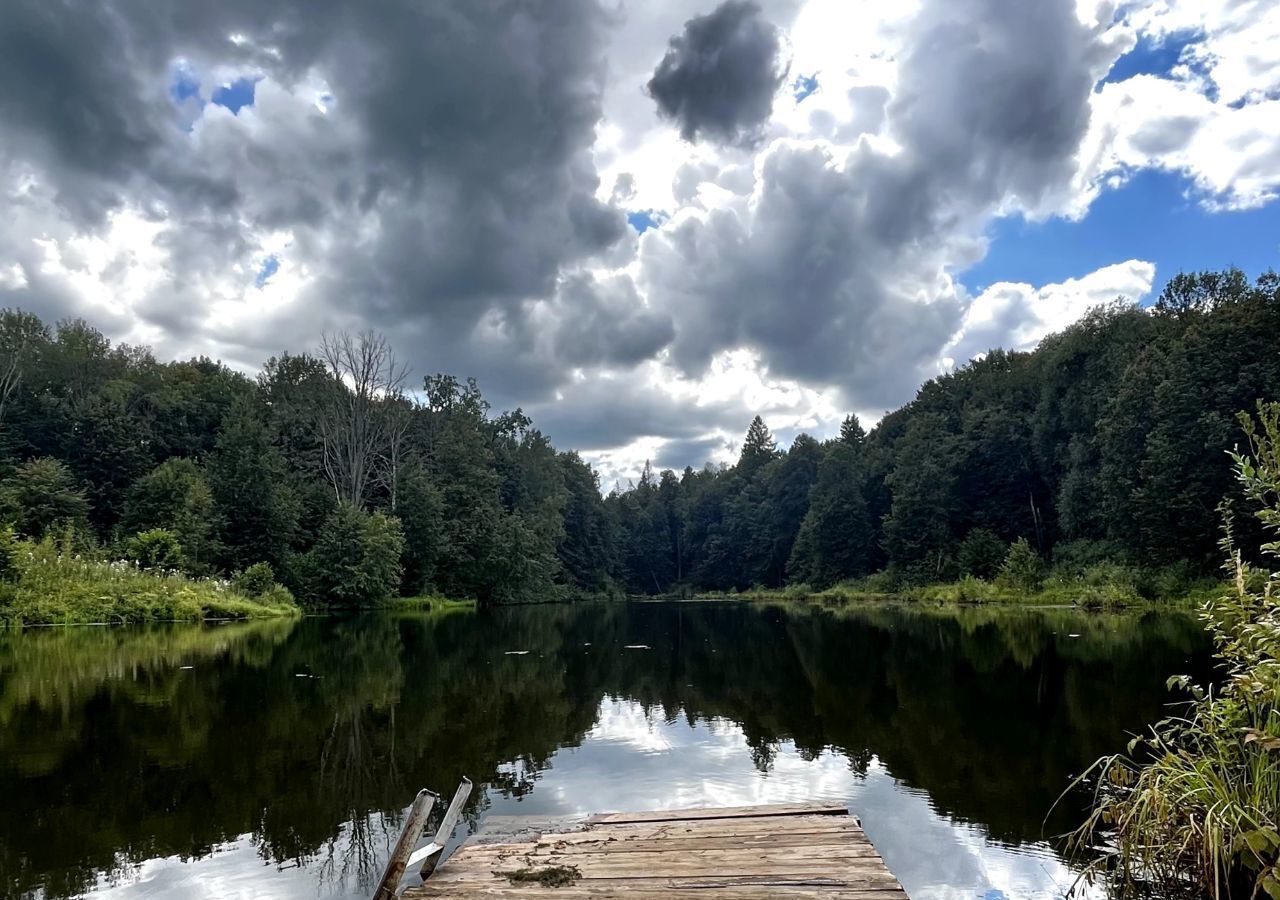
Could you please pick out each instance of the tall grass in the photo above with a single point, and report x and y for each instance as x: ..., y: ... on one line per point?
x: 1193, y: 809
x: 45, y: 583
x: 1107, y: 586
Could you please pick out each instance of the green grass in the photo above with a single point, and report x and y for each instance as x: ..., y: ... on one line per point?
x: 430, y: 603
x: 1127, y: 590
x: 1193, y: 808
x: 46, y: 586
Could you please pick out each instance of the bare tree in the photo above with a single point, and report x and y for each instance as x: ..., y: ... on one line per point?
x: 18, y: 332
x: 399, y: 413
x: 358, y: 424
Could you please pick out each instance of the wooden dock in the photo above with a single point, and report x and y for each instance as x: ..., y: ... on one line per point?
x: 801, y: 851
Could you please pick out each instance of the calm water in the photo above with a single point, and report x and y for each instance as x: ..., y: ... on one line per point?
x: 273, y: 759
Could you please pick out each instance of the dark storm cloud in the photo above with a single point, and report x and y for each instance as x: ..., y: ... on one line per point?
x: 677, y: 454
x: 719, y: 76
x: 450, y: 176
x: 604, y: 411
x: 445, y: 190
x: 836, y: 271
x: 605, y: 322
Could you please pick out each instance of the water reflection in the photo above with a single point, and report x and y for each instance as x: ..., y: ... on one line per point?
x: 273, y: 759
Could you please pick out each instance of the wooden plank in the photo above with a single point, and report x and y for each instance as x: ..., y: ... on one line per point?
x: 798, y: 851
x: 698, y: 842
x: 419, y: 810
x: 643, y: 858
x: 728, y: 812
x: 729, y: 864
x: 763, y: 892
x: 740, y: 889
x: 839, y: 827
x: 431, y: 853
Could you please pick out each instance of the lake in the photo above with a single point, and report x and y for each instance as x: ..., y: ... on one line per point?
x: 274, y: 758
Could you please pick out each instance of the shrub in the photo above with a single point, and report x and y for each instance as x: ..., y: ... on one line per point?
x: 981, y: 553
x: 256, y: 580
x: 1074, y: 557
x: 356, y: 558
x: 155, y: 548
x: 275, y: 595
x: 42, y: 498
x: 8, y: 555
x: 1022, y: 568
x: 174, y: 496
x: 884, y: 582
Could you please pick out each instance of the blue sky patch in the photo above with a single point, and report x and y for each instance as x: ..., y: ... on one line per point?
x: 1155, y: 216
x: 644, y: 219
x: 184, y: 85
x: 236, y: 95
x: 803, y: 86
x: 270, y: 266
x: 1149, y: 57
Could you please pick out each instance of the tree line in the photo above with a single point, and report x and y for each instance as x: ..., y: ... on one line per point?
x: 323, y: 468
x: 1106, y: 443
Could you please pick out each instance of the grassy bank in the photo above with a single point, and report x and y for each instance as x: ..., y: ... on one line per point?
x: 43, y: 585
x: 429, y: 603
x: 1109, y: 587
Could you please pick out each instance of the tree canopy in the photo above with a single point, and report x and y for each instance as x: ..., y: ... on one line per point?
x: 1105, y: 442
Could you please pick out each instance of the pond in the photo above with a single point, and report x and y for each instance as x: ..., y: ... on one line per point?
x: 274, y: 758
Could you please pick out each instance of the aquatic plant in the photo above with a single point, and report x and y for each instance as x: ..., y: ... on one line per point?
x: 1193, y: 807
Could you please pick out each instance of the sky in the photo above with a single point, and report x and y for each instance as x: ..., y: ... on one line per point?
x: 642, y: 222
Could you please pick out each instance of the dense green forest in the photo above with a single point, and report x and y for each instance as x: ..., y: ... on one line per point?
x: 1104, y: 446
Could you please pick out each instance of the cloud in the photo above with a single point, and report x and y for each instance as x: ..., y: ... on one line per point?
x: 447, y: 174
x: 1017, y: 315
x: 1230, y: 152
x: 720, y: 74
x: 461, y: 176
x: 1214, y: 119
x: 839, y: 258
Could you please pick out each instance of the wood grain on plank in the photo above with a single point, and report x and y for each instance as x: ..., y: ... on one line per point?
x: 698, y: 842
x: 755, y: 827
x: 631, y: 892
x: 728, y: 812
x: 798, y: 851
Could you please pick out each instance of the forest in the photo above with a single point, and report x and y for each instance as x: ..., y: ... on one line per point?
x: 1105, y: 446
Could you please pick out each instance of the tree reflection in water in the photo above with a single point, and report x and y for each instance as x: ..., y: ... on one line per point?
x: 311, y: 737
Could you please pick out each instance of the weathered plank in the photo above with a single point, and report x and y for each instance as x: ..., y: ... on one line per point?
x: 628, y: 891
x: 799, y: 851
x: 728, y: 812
x: 429, y: 855
x: 414, y: 823
x: 698, y: 842
x: 840, y: 828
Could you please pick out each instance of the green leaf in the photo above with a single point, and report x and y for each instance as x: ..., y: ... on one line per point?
x: 1272, y: 886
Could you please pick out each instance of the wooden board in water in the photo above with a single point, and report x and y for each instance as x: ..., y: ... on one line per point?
x: 797, y: 851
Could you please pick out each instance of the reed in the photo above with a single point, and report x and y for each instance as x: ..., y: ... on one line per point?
x: 1193, y: 808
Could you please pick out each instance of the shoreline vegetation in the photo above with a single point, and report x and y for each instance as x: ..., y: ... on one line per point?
x: 42, y: 583
x: 429, y: 603
x: 1087, y: 470
x: 975, y: 591
x: 1192, y: 809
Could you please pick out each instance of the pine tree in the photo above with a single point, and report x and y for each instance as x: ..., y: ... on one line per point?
x: 758, y: 447
x: 852, y: 432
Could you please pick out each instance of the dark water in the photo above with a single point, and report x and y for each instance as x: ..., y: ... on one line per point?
x: 273, y: 759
